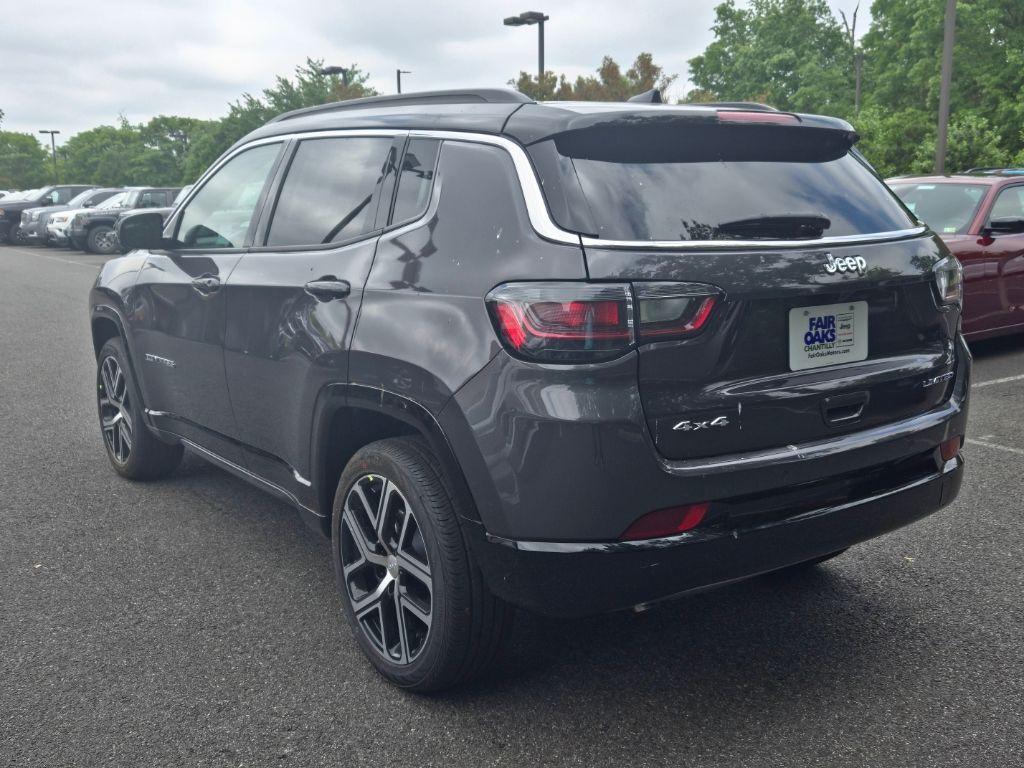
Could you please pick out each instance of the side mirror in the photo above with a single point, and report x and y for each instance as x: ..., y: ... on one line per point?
x: 143, y: 230
x: 88, y: 204
x: 1005, y: 225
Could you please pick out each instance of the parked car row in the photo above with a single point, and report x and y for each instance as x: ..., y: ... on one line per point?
x: 77, y: 215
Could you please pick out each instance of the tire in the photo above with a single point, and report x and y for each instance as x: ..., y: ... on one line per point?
x: 16, y: 236
x: 102, y: 240
x: 133, y: 450
x: 421, y: 637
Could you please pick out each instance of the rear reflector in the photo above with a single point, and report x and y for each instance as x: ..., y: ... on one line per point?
x: 949, y: 449
x: 666, y: 522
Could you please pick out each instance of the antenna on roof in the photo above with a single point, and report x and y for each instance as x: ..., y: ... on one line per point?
x: 652, y: 96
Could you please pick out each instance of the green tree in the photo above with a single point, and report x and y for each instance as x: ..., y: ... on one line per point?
x: 610, y: 84
x: 792, y: 54
x: 306, y: 89
x: 902, y: 68
x: 24, y: 163
x: 170, y: 140
x: 109, y: 156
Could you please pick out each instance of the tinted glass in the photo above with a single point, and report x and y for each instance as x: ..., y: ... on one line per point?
x: 947, y: 208
x: 114, y: 201
x: 152, y: 198
x: 82, y: 197
x: 1009, y: 204
x: 327, y: 193
x: 415, y: 180
x: 709, y: 182
x: 220, y: 213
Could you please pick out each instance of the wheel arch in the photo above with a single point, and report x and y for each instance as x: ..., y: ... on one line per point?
x: 106, y: 323
x: 348, y: 417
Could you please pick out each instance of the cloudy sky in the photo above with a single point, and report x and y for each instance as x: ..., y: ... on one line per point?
x: 72, y: 65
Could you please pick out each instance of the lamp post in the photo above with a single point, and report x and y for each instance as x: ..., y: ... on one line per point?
x: 528, y: 18
x: 946, y: 80
x: 398, y: 77
x: 336, y: 71
x: 53, y: 148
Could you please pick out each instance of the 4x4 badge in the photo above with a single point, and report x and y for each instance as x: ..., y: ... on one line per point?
x: 845, y: 264
x: 691, y: 426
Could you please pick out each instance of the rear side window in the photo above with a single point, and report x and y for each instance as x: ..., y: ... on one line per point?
x: 415, y: 180
x: 327, y: 192
x: 719, y: 182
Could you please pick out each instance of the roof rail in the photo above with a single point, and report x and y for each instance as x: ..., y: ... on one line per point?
x: 462, y: 96
x: 751, y: 106
x: 997, y: 171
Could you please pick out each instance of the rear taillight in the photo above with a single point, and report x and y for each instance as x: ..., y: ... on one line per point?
x: 563, y: 322
x: 591, y: 322
x: 672, y: 310
x: 949, y: 280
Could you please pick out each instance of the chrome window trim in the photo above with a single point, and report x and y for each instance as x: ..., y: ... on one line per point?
x: 873, y: 237
x: 536, y: 206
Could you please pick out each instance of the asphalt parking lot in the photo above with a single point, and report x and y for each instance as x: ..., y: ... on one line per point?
x: 193, y: 621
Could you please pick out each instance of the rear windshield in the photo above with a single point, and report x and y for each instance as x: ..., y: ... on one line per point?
x: 716, y: 182
x: 947, y: 208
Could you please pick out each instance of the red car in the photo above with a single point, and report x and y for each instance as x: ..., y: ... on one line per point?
x: 980, y: 216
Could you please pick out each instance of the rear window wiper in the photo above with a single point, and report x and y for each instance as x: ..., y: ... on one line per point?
x: 785, y: 226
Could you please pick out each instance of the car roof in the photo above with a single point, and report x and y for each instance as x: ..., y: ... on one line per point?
x: 952, y: 178
x: 490, y: 110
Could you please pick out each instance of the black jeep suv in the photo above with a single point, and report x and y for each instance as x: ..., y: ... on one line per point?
x: 568, y: 357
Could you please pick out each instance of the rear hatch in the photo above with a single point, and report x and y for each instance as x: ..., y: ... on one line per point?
x: 827, y: 319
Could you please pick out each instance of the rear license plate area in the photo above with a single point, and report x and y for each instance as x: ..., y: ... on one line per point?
x: 828, y: 334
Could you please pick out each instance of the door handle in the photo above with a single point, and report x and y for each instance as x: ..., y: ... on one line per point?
x: 328, y: 288
x: 207, y: 284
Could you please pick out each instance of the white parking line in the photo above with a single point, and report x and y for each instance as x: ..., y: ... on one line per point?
x: 51, y: 258
x: 1003, y: 380
x: 996, y: 446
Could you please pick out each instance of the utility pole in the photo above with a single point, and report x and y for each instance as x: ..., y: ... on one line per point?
x: 858, y: 66
x: 53, y: 148
x: 398, y: 77
x: 850, y: 26
x: 946, y: 80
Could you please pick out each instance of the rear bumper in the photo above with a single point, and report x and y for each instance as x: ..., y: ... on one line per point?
x: 578, y: 579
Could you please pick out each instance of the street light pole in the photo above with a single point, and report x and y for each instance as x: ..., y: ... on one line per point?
x: 528, y: 18
x: 948, y: 38
x: 398, y: 77
x: 540, y: 50
x: 336, y: 71
x: 53, y: 149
